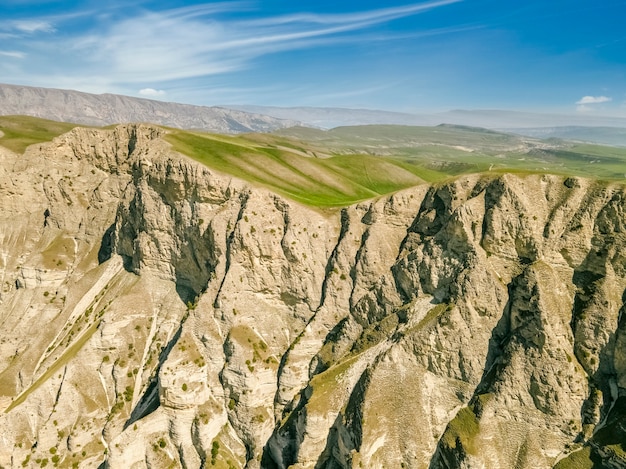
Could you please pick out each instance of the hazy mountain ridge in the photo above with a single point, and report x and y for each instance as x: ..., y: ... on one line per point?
x: 106, y: 109
x: 491, y: 119
x: 328, y: 118
x: 156, y: 313
x: 614, y: 136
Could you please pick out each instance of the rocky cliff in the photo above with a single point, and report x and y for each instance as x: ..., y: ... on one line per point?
x: 157, y: 314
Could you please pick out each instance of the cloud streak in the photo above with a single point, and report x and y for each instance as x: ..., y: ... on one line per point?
x: 154, y: 47
x: 383, y: 14
x: 32, y: 26
x: 12, y: 54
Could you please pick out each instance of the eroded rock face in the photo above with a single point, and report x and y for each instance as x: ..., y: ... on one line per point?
x: 157, y: 314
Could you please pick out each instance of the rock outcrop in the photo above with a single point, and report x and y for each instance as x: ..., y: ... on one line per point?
x: 155, y: 313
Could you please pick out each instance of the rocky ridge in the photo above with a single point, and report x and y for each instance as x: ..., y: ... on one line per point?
x: 106, y: 109
x: 155, y: 313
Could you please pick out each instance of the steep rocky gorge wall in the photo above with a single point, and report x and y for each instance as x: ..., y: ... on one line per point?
x: 155, y: 314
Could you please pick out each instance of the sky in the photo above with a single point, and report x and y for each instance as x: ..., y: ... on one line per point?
x: 564, y: 56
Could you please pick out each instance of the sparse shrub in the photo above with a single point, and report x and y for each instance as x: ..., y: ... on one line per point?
x: 215, y: 449
x: 117, y: 407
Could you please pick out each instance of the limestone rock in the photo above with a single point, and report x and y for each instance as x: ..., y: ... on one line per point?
x: 156, y: 314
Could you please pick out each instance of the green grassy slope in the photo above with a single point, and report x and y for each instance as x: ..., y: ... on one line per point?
x: 22, y: 131
x: 282, y: 167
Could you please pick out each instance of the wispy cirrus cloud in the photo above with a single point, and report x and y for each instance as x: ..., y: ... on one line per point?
x: 154, y: 47
x: 181, y: 43
x: 383, y: 14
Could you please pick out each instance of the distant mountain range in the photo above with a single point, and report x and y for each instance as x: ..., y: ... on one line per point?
x: 615, y: 136
x: 105, y: 109
x: 491, y: 119
x: 588, y: 128
x: 328, y: 118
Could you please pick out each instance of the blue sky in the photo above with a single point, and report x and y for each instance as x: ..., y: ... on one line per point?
x: 551, y: 56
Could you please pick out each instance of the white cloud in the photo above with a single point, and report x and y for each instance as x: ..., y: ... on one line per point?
x: 151, y: 92
x: 33, y: 26
x: 13, y: 54
x: 593, y: 100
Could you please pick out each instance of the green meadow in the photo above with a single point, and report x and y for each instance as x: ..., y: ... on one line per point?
x: 455, y: 150
x: 281, y: 166
x: 22, y: 131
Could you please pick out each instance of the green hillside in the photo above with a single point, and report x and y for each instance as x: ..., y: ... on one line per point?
x: 285, y: 167
x: 454, y: 150
x: 21, y: 131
